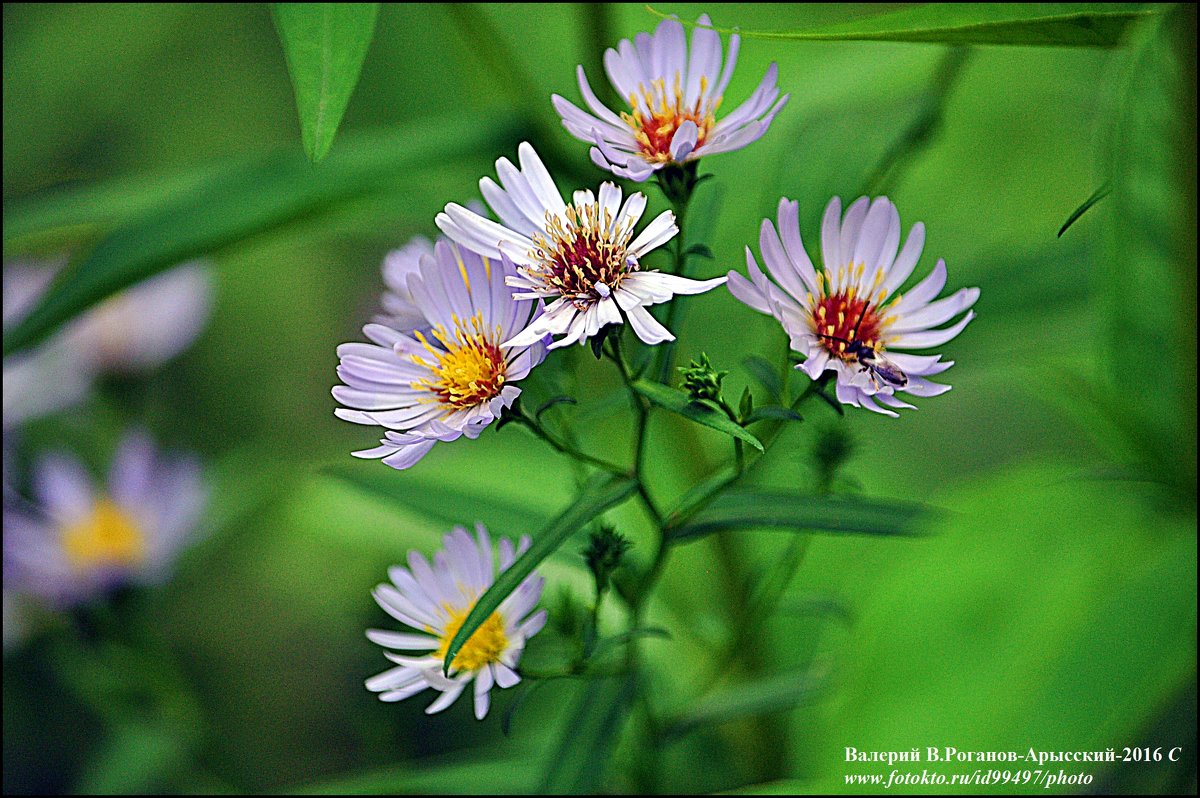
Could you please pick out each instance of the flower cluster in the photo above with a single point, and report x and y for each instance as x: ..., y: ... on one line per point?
x: 469, y: 316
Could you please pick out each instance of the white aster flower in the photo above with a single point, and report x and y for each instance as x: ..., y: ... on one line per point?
x: 435, y: 600
x: 453, y: 381
x: 75, y: 540
x: 845, y: 318
x: 583, y: 256
x: 673, y: 99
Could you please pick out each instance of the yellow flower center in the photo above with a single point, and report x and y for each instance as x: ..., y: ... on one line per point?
x: 108, y: 537
x: 469, y: 370
x: 667, y: 112
x: 482, y: 648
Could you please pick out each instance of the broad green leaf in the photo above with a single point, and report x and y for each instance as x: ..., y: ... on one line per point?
x: 440, y: 501
x: 325, y: 44
x: 590, y: 734
x: 754, y: 507
x: 701, y: 412
x: 771, y: 694
x: 247, y: 196
x: 1148, y: 288
x: 597, y: 497
x: 1053, y: 24
x: 1096, y: 196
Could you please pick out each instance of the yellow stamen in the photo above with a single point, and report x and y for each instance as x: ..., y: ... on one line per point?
x: 482, y: 648
x: 107, y: 537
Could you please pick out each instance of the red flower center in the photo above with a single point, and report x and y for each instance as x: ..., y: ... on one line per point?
x: 843, y: 319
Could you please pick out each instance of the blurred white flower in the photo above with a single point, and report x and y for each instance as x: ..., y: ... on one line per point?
x: 845, y: 318
x: 435, y: 600
x: 673, y: 99
x: 135, y: 330
x: 74, y: 540
x: 583, y: 256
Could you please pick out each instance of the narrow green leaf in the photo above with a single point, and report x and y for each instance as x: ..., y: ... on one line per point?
x: 773, y: 694
x: 775, y: 413
x: 701, y: 492
x: 766, y: 374
x: 552, y: 402
x: 699, y: 251
x: 750, y: 507
x: 591, y: 728
x: 440, y: 501
x: 1097, y: 195
x: 244, y: 197
x: 1048, y: 24
x: 597, y: 497
x: 701, y: 412
x: 325, y: 44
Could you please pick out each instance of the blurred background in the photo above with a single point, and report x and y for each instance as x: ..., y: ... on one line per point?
x: 1052, y: 605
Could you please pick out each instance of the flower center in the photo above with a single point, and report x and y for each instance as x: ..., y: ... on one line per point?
x: 469, y: 370
x: 654, y: 125
x: 482, y: 648
x: 843, y: 319
x: 108, y: 537
x: 584, y: 256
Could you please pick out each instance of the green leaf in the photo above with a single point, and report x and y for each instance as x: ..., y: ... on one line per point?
x: 701, y: 492
x: 774, y: 412
x: 1097, y: 195
x: 1052, y: 24
x: 597, y: 497
x: 699, y: 251
x: 590, y: 733
x: 439, y: 501
x: 244, y: 197
x: 766, y: 374
x: 753, y: 507
x: 773, y: 694
x: 551, y: 402
x: 701, y: 412
x: 1148, y: 288
x: 325, y: 44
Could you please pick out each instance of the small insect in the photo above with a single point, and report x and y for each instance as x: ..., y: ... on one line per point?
x: 878, y: 366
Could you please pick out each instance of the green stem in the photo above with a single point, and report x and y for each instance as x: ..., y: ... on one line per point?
x: 564, y: 448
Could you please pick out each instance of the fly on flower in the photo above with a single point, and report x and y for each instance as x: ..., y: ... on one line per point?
x: 582, y: 256
x: 435, y: 600
x: 673, y: 98
x: 846, y: 317
x: 453, y: 380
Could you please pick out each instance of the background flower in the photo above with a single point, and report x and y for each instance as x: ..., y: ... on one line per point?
x: 74, y: 540
x: 673, y: 99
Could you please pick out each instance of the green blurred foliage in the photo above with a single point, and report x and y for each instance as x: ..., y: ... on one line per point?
x: 1053, y: 605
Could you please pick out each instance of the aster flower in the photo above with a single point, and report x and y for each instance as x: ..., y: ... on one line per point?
x: 435, y: 600
x: 453, y: 381
x: 75, y: 540
x: 583, y: 256
x: 847, y: 318
x: 400, y: 311
x: 673, y: 99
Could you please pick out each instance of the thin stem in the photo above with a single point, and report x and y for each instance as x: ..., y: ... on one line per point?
x: 666, y: 357
x: 565, y: 448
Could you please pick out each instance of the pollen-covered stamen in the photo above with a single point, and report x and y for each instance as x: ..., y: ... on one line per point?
x: 108, y: 537
x: 483, y: 647
x: 583, y: 257
x: 843, y: 319
x: 660, y: 113
x: 469, y: 370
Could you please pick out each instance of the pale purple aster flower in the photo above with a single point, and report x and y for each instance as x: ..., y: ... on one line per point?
x: 75, y: 539
x: 435, y: 600
x: 673, y: 98
x: 452, y: 382
x: 583, y: 256
x: 847, y: 317
x: 400, y: 311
